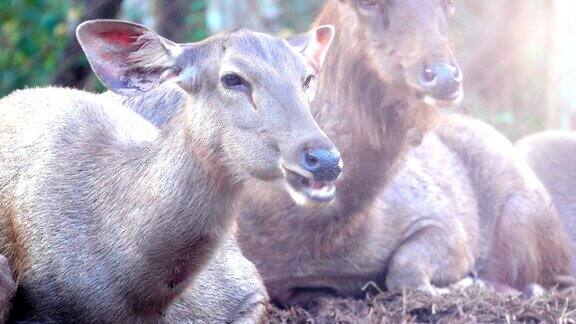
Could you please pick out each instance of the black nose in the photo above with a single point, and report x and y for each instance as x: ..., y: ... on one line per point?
x: 324, y: 164
x: 441, y: 80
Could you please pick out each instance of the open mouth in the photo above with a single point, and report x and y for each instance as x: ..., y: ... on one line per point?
x: 447, y: 101
x: 304, y: 189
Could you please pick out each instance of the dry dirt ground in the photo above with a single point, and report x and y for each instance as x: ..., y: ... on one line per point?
x: 472, y: 305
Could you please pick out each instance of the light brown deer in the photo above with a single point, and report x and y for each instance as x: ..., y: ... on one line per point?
x: 423, y: 217
x: 107, y: 217
x: 552, y: 155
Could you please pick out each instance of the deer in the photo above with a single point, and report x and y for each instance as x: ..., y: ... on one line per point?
x: 430, y: 198
x: 107, y: 217
x: 552, y: 156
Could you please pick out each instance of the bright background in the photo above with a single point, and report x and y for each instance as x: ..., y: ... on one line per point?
x: 518, y: 56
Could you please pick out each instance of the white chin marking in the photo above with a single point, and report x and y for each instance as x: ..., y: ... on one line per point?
x: 309, y: 196
x: 444, y: 103
x: 325, y: 193
x: 298, y: 197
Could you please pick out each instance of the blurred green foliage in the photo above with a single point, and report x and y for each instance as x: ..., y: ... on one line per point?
x: 33, y: 33
x: 196, y: 22
x: 299, y: 13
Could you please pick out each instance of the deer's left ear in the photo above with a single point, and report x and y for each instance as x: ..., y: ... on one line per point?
x: 314, y: 44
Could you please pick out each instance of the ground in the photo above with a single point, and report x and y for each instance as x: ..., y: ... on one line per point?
x: 472, y: 305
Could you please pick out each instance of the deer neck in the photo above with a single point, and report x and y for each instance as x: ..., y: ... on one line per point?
x: 367, y: 118
x: 177, y: 205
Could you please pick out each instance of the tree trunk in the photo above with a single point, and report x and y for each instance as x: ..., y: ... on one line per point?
x: 73, y: 70
x: 170, y: 18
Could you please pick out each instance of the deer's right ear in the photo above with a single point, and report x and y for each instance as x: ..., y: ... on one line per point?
x: 314, y: 45
x: 128, y: 58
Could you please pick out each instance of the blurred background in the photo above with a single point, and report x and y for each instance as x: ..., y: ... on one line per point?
x: 518, y: 56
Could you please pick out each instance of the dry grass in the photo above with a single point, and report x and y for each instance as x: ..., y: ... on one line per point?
x: 471, y: 305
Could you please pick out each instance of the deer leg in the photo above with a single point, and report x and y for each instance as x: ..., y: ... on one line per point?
x: 431, y: 258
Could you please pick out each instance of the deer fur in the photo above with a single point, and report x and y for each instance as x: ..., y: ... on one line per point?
x: 552, y: 156
x: 459, y: 204
x: 107, y: 217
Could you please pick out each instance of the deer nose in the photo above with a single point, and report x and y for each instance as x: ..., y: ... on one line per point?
x: 441, y: 80
x: 324, y: 164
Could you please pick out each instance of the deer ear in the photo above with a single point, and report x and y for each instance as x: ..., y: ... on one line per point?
x: 128, y: 58
x: 314, y: 44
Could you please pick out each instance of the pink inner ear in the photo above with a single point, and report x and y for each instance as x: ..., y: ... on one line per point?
x: 316, y: 50
x: 113, y: 45
x: 119, y: 38
x: 323, y: 36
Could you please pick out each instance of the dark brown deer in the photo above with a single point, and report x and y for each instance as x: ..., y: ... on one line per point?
x: 107, y: 217
x: 552, y: 155
x: 424, y: 217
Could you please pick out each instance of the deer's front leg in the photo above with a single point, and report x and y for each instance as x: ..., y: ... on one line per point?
x: 430, y: 258
x: 7, y: 288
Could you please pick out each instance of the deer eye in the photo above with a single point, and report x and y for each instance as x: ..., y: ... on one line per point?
x: 308, y: 81
x: 232, y: 81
